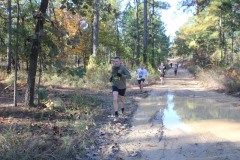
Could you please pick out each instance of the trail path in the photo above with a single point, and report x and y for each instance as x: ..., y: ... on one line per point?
x: 180, y: 120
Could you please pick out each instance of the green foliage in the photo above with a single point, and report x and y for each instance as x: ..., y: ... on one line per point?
x: 99, y: 76
x: 210, y: 36
x: 62, y: 80
x: 156, y: 30
x: 42, y: 93
x: 92, y: 64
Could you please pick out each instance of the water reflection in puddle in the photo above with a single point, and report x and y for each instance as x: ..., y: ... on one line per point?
x: 148, y: 109
x: 171, y: 119
x: 188, y: 113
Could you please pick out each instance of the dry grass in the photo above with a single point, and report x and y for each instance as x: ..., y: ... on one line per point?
x: 49, y: 133
x: 218, y: 78
x: 212, y: 78
x: 3, y: 75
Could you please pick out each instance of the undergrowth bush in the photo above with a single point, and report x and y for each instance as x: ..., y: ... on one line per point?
x: 232, y: 79
x: 94, y: 77
x: 212, y: 78
x: 3, y: 74
x: 220, y: 78
x: 9, y: 78
x: 98, y: 77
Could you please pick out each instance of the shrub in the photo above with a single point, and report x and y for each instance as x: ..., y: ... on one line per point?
x: 99, y: 76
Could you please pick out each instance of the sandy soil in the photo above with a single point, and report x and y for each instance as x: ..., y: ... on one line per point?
x: 161, y: 129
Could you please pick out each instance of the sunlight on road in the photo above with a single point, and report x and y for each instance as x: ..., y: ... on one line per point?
x: 181, y: 121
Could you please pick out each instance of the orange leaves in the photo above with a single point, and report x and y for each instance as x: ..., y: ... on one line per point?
x: 233, y: 73
x: 68, y: 21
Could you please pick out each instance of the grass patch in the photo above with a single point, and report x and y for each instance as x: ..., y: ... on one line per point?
x: 60, y: 131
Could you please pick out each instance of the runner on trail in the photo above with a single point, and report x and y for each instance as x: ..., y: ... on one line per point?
x: 162, y: 70
x: 142, y: 74
x: 175, y: 69
x: 118, y: 79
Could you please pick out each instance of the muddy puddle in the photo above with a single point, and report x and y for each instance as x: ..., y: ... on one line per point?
x: 190, y: 112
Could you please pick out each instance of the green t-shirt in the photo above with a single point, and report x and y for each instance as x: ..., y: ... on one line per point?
x: 120, y: 82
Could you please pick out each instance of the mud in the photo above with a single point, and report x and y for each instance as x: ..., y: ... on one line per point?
x: 181, y: 120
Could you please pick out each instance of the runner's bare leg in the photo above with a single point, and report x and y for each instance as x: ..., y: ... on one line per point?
x: 115, y: 100
x: 142, y: 83
x: 122, y: 101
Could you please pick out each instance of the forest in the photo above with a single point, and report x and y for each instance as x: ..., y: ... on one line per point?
x: 72, y: 38
x: 211, y: 40
x: 56, y: 54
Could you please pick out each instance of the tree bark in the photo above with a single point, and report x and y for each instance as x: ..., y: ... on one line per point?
x: 221, y: 36
x: 232, y: 49
x: 29, y: 96
x: 16, y: 57
x: 95, y: 27
x: 9, y: 48
x: 138, y: 36
x: 153, y: 27
x: 145, y: 33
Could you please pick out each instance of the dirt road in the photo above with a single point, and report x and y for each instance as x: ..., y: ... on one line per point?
x: 180, y: 120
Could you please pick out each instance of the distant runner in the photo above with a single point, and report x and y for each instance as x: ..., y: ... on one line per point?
x: 175, y: 69
x: 118, y: 79
x: 162, y: 70
x: 142, y: 74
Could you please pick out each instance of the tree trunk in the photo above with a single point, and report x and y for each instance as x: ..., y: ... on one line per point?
x: 138, y: 37
x: 27, y: 65
x: 29, y: 96
x: 9, y: 48
x: 221, y: 36
x: 95, y: 27
x: 16, y: 57
x: 145, y: 33
x: 153, y: 45
x: 232, y: 49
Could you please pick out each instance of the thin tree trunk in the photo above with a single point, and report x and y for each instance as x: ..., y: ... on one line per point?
x: 153, y: 45
x: 27, y: 65
x: 9, y: 48
x: 39, y: 79
x: 16, y: 57
x: 118, y: 34
x: 29, y: 97
x: 145, y: 33
x: 220, y: 36
x: 232, y: 49
x: 137, y: 30
x: 95, y: 27
x: 224, y: 45
x: 24, y: 44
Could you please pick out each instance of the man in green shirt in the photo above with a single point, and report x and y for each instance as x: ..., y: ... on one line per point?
x: 118, y: 79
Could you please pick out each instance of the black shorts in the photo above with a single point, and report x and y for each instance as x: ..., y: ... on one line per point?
x: 140, y: 80
x: 162, y: 75
x: 121, y: 92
